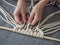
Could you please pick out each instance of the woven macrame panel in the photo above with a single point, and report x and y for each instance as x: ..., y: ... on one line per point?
x: 10, y: 38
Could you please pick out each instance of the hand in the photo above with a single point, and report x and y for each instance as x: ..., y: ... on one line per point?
x: 36, y: 12
x: 19, y: 12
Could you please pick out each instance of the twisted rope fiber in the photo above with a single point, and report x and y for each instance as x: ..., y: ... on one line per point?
x: 28, y: 31
x: 47, y: 16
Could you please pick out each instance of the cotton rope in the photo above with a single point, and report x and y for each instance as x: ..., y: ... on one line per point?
x: 38, y: 32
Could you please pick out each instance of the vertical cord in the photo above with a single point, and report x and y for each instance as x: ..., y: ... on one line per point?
x: 39, y: 31
x: 41, y: 24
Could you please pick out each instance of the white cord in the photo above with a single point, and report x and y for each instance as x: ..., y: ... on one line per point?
x: 16, y: 27
x: 49, y: 16
x: 51, y: 24
x: 51, y: 29
x: 8, y: 3
x: 6, y: 21
x: 9, y: 18
x: 40, y: 30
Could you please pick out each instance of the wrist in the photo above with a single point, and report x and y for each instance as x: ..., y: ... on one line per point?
x: 21, y: 0
x: 43, y: 2
x: 20, y: 3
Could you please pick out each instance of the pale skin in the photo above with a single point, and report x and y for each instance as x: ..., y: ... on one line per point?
x: 35, y: 15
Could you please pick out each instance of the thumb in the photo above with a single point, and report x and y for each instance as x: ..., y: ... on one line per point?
x: 35, y: 20
x: 31, y: 17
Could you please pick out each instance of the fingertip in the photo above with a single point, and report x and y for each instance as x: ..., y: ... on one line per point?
x: 19, y: 22
x: 29, y: 21
x: 24, y: 19
x: 32, y: 24
x: 35, y: 20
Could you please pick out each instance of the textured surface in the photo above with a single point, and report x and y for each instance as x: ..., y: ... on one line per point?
x: 10, y: 38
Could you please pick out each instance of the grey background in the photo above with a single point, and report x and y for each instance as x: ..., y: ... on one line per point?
x: 10, y: 38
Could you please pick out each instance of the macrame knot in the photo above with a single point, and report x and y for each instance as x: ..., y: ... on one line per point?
x: 17, y: 28
x: 40, y: 33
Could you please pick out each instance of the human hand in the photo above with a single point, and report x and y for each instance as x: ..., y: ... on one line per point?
x: 19, y: 12
x: 36, y: 12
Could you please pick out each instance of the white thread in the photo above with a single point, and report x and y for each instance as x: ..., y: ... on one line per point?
x: 53, y: 31
x: 9, y: 3
x: 40, y: 30
x: 51, y: 24
x: 11, y: 19
x: 47, y: 18
x: 6, y: 21
x: 51, y: 28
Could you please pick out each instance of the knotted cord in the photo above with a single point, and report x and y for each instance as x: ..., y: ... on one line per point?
x: 39, y: 30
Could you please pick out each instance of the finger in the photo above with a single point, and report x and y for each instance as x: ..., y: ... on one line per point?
x: 23, y: 17
x: 27, y: 18
x: 31, y: 17
x: 18, y: 19
x: 35, y: 20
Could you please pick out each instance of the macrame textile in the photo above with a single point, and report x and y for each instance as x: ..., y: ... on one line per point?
x: 25, y: 28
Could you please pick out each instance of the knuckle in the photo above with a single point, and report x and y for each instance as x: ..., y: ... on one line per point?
x: 14, y: 13
x: 16, y: 21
